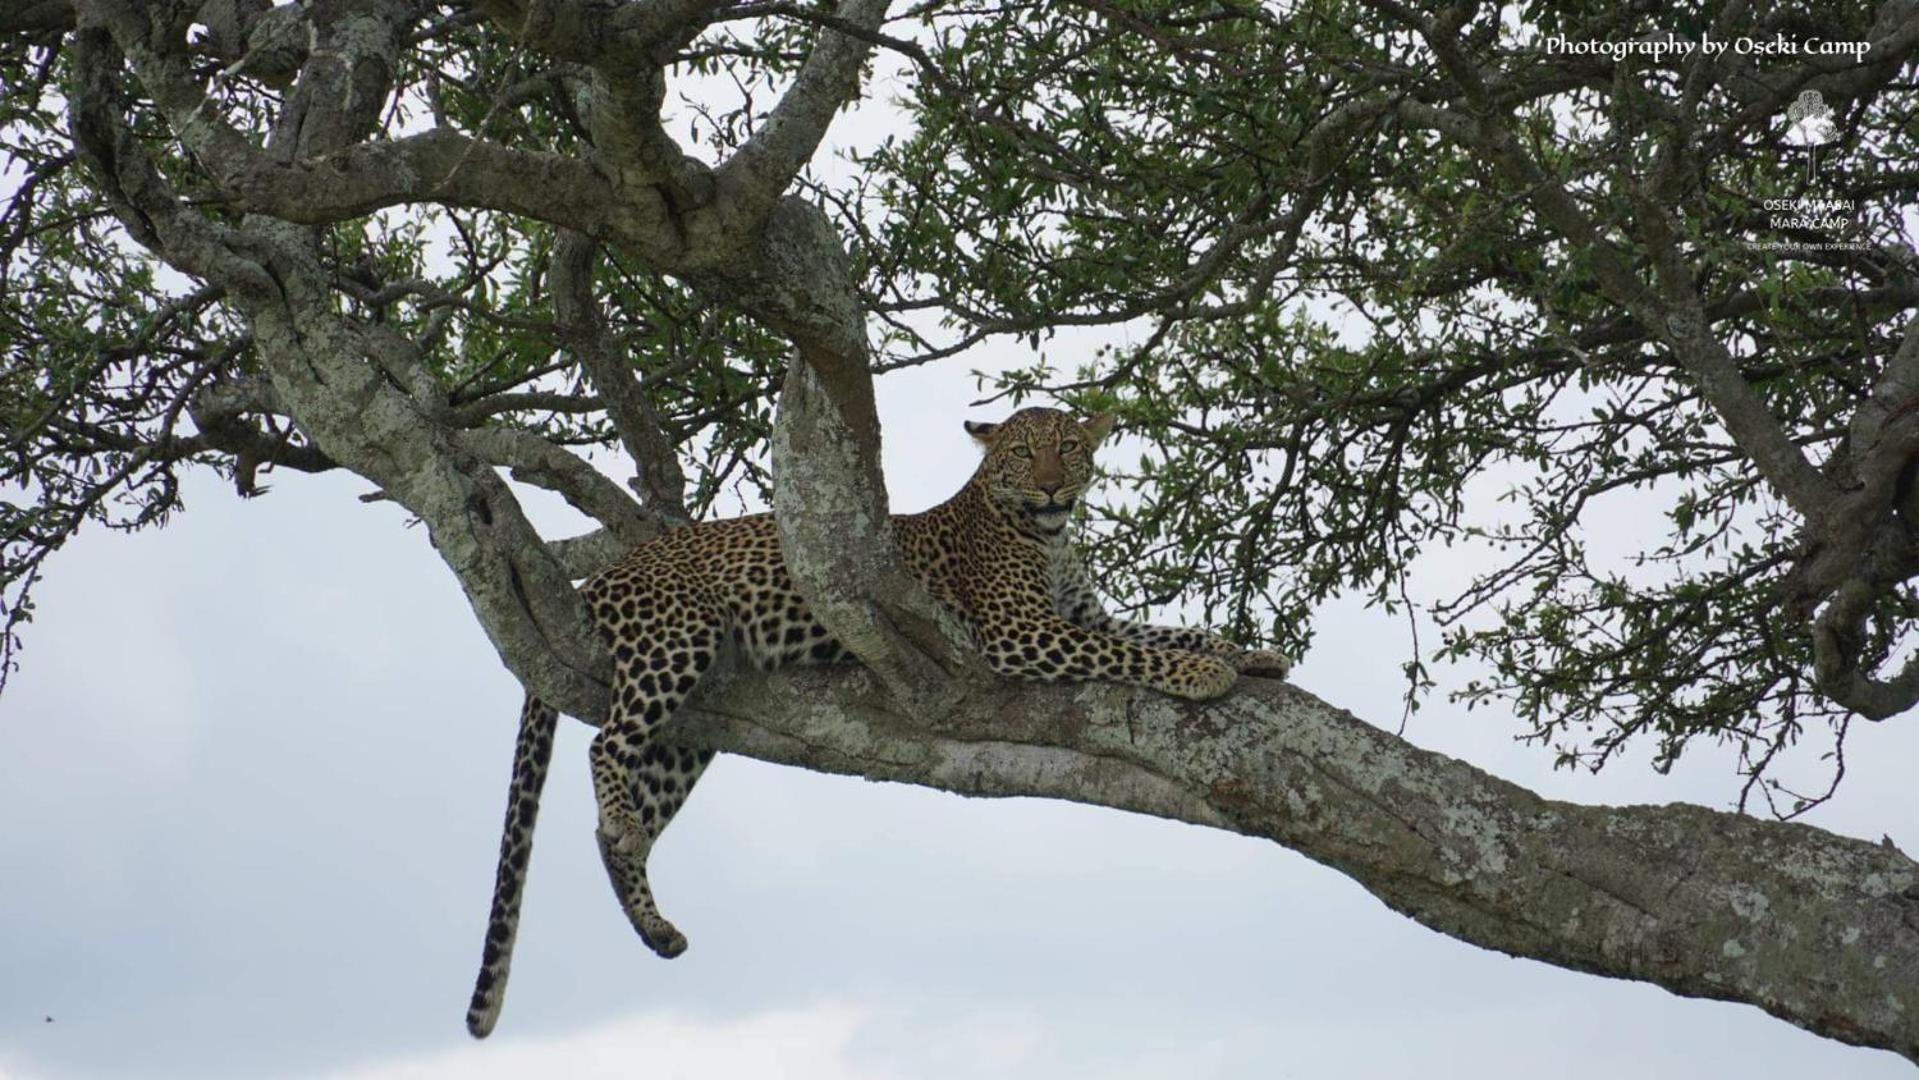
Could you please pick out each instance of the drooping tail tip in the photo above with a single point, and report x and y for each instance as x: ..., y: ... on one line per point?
x: 482, y: 1015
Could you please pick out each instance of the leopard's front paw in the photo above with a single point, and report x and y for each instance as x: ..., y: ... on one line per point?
x: 1263, y: 663
x: 1203, y: 679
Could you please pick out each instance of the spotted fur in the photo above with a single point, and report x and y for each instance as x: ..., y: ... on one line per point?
x: 996, y: 554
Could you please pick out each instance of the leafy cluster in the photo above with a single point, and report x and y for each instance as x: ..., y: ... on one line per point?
x: 116, y: 370
x: 1344, y: 316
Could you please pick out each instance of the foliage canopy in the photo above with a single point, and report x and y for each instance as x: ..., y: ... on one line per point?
x: 1364, y: 258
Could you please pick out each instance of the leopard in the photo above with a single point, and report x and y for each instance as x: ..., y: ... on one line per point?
x: 998, y: 555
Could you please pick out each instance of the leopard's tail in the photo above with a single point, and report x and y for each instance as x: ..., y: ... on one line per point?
x: 531, y: 754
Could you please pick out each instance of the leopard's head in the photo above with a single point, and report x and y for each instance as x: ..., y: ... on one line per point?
x: 1038, y: 463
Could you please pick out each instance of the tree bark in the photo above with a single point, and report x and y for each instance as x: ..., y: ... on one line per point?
x: 1817, y: 929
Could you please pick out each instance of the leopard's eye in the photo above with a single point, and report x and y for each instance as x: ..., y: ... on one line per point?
x: 1069, y: 446
x: 1023, y: 451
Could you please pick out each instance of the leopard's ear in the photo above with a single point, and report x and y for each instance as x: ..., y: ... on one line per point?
x: 1098, y: 428
x: 982, y: 431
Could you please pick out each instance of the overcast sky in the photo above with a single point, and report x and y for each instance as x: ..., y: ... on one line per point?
x: 254, y: 766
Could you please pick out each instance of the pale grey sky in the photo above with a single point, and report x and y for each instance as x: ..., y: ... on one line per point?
x: 254, y: 766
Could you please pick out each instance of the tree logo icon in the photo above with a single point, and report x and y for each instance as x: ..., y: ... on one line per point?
x: 1809, y: 124
x: 1809, y: 120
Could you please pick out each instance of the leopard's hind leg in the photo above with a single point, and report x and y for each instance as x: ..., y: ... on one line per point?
x: 662, y: 780
x: 641, y: 783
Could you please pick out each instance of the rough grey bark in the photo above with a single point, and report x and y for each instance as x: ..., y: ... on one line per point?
x: 1817, y: 929
x: 835, y: 530
x: 838, y: 544
x: 355, y: 389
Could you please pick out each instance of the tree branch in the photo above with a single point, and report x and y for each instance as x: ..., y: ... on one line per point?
x: 761, y: 170
x: 312, y: 179
x: 1853, y: 549
x: 587, y: 554
x: 1677, y: 321
x: 835, y: 530
x: 441, y: 166
x: 334, y: 380
x: 534, y: 460
x: 345, y: 78
x: 599, y: 34
x: 576, y: 308
x: 1818, y: 929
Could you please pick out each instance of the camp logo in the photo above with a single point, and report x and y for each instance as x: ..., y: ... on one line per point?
x: 1809, y: 120
x: 1809, y: 125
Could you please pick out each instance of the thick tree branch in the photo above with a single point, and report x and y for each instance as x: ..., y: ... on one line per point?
x: 345, y: 79
x: 337, y: 380
x: 587, y: 554
x: 534, y: 460
x: 359, y: 398
x: 1865, y: 547
x: 839, y: 546
x: 622, y: 50
x: 835, y: 528
x: 1817, y: 929
x: 1895, y: 397
x: 761, y: 170
x: 577, y: 310
x: 1838, y: 633
x: 315, y: 174
x: 267, y: 42
x: 598, y: 34
x: 441, y: 166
